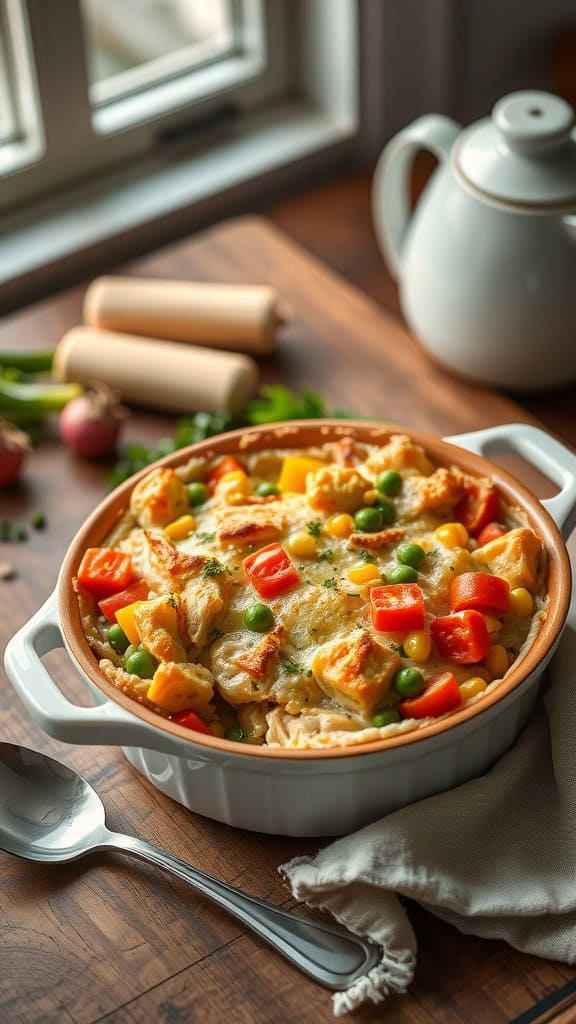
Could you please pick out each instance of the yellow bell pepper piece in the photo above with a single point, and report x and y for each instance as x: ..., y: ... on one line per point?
x: 125, y: 619
x: 295, y: 469
x: 180, y: 528
x: 176, y: 687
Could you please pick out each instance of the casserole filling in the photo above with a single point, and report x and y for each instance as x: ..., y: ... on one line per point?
x: 312, y: 598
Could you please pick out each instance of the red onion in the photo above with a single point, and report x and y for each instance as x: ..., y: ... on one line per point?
x: 14, y: 446
x: 91, y: 424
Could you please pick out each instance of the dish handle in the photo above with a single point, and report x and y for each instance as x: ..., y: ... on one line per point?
x: 540, y: 450
x: 107, y: 724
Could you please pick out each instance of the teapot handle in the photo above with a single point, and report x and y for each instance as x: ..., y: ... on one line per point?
x: 390, y: 190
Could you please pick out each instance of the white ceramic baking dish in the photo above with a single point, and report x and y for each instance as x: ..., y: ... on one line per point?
x: 306, y: 792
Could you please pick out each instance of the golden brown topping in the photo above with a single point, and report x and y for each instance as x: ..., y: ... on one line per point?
x: 157, y: 625
x: 516, y: 556
x: 344, y: 451
x: 335, y: 489
x: 376, y: 540
x: 256, y: 661
x: 159, y: 498
x: 356, y: 672
x: 202, y: 599
x: 246, y: 527
x: 401, y: 452
x: 170, y: 567
x: 444, y: 487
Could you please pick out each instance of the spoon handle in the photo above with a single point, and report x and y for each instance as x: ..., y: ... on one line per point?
x: 328, y: 953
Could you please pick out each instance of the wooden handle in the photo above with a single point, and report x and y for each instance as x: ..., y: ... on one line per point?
x: 237, y: 316
x: 157, y: 373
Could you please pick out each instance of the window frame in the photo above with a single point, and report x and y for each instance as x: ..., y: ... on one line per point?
x: 339, y: 90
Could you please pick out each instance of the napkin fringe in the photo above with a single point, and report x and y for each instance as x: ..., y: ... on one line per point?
x: 392, y: 975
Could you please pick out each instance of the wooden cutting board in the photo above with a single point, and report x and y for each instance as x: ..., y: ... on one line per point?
x: 108, y: 940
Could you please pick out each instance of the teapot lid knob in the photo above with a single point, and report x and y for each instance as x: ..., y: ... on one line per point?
x: 534, y: 122
x: 525, y: 154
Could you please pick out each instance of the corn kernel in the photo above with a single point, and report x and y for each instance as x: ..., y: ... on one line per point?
x: 452, y: 535
x: 496, y: 661
x: 521, y: 602
x: 417, y: 645
x: 370, y: 497
x: 340, y: 525
x: 180, y: 528
x: 493, y: 625
x: 302, y: 545
x: 470, y: 687
x: 364, y: 572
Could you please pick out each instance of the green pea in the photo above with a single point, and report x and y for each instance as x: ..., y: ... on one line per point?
x: 387, y: 509
x: 402, y: 574
x: 235, y: 733
x: 117, y: 638
x: 410, y: 554
x: 386, y: 716
x: 258, y: 618
x: 197, y: 493
x: 390, y: 483
x: 369, y: 519
x: 140, y: 663
x: 265, y: 490
x: 409, y: 682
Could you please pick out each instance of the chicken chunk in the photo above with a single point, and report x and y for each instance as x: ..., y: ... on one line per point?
x: 400, y: 453
x: 257, y: 660
x: 356, y: 672
x: 336, y: 489
x: 159, y: 498
x: 255, y: 525
x: 201, y: 600
x: 157, y: 625
x: 164, y: 567
x: 176, y: 687
x: 442, y: 489
x: 516, y: 556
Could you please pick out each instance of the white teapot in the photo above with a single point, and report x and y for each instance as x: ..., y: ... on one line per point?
x: 486, y: 263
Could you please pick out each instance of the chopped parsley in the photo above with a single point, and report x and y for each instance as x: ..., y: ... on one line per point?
x: 206, y: 537
x: 291, y: 667
x: 172, y: 601
x: 214, y: 568
x: 331, y: 583
x: 314, y: 527
x: 326, y: 556
x: 215, y: 634
x: 364, y: 555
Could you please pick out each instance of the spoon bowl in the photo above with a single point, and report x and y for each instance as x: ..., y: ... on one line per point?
x: 49, y: 813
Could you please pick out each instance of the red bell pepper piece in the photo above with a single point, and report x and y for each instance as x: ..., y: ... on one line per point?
x: 490, y: 532
x: 270, y: 571
x: 442, y: 694
x: 190, y: 720
x: 462, y: 638
x: 479, y: 590
x: 110, y: 605
x: 105, y: 572
x: 397, y: 607
x: 479, y: 506
x: 228, y: 464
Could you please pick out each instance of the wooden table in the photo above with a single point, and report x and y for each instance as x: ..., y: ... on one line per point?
x: 111, y: 940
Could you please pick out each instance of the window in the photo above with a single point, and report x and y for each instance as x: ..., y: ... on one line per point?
x: 122, y: 116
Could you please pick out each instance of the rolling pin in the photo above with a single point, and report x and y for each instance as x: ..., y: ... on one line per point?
x: 157, y: 373
x: 237, y: 316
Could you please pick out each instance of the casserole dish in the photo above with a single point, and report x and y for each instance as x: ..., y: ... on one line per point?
x: 306, y: 792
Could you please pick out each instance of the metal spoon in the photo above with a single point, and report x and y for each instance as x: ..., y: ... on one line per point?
x: 50, y: 814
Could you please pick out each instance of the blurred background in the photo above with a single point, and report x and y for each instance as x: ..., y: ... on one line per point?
x: 125, y: 125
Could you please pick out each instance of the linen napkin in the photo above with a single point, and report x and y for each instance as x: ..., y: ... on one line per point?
x: 495, y: 857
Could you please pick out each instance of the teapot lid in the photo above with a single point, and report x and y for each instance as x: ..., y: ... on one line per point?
x: 525, y: 153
